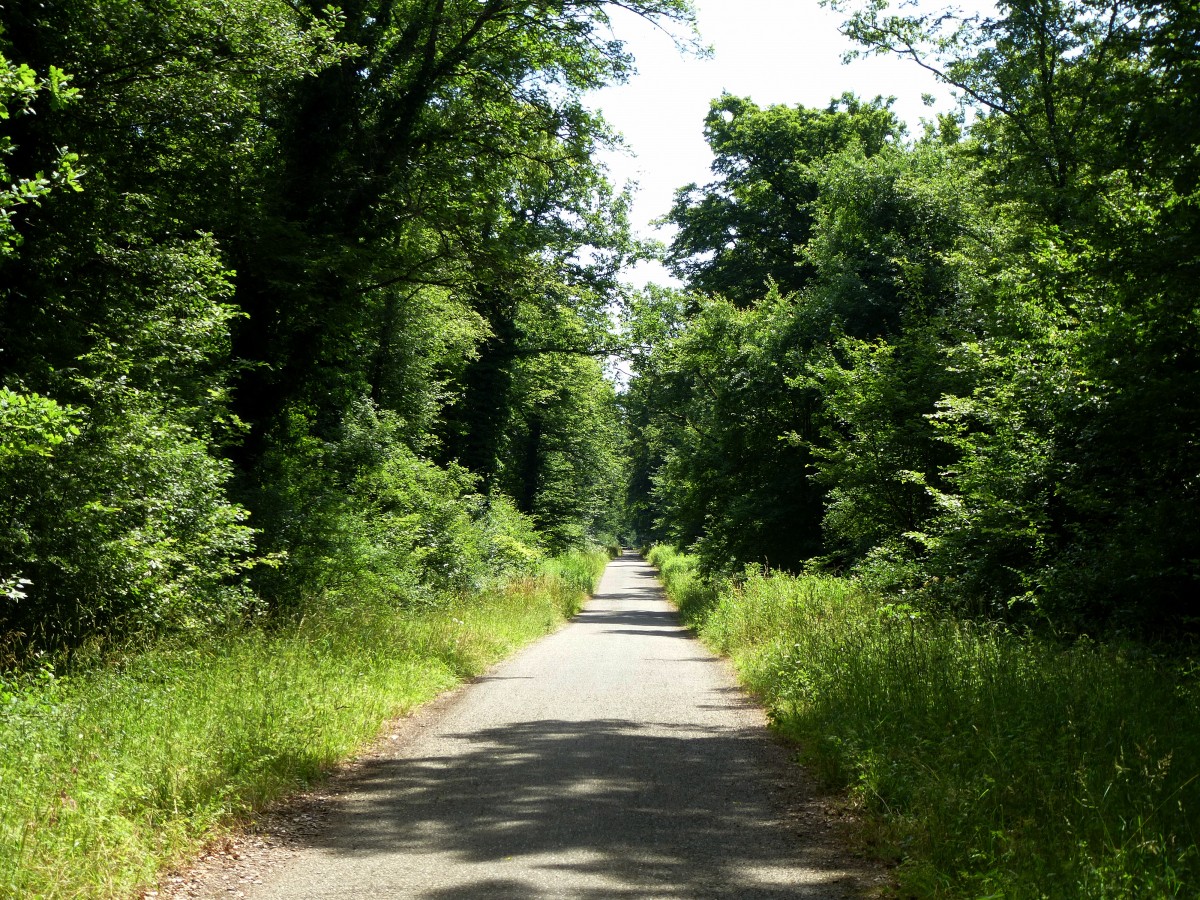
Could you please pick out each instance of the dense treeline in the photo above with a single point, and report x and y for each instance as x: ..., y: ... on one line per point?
x: 963, y: 365
x: 298, y: 299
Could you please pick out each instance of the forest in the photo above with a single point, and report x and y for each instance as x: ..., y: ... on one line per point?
x: 924, y: 419
x: 306, y: 313
x: 297, y: 300
x: 962, y: 365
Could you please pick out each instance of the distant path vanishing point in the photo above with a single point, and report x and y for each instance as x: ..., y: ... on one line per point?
x: 613, y: 759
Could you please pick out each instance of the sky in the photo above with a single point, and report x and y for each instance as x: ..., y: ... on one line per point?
x: 773, y: 51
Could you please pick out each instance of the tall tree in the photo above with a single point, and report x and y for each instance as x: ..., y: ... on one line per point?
x: 447, y: 155
x: 116, y: 304
x: 299, y: 228
x: 750, y: 225
x: 998, y: 333
x: 434, y: 194
x: 733, y: 418
x: 1089, y: 350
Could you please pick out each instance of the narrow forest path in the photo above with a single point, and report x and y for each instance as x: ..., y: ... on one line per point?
x: 615, y: 758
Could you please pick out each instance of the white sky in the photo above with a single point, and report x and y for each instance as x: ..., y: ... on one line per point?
x: 773, y: 51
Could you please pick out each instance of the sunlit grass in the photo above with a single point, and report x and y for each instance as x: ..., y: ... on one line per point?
x: 996, y: 765
x: 109, y: 775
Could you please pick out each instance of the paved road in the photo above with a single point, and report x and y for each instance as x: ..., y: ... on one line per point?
x: 614, y: 758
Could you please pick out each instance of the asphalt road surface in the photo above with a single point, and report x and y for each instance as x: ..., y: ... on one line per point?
x: 615, y: 758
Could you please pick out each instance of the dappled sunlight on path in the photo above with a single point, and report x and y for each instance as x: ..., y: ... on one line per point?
x: 613, y: 759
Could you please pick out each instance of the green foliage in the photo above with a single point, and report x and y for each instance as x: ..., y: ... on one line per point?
x: 117, y: 306
x: 995, y: 764
x: 893, y: 238
x: 983, y: 384
x: 31, y: 425
x: 891, y: 273
x: 339, y: 273
x: 19, y: 87
x: 565, y: 447
x: 443, y: 164
x: 365, y: 515
x: 750, y: 226
x: 878, y: 452
x: 125, y: 526
x: 738, y: 401
x: 719, y: 399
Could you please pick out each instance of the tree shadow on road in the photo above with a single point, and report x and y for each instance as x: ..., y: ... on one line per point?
x: 600, y: 808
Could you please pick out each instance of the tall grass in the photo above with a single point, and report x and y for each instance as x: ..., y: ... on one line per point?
x: 996, y: 765
x: 579, y: 570
x: 110, y: 775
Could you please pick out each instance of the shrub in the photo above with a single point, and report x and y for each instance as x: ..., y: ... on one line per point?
x: 367, y: 513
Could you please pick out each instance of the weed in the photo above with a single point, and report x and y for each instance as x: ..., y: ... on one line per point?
x: 998, y: 764
x: 111, y: 774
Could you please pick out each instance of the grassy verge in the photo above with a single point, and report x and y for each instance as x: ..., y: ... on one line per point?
x: 108, y: 776
x: 580, y: 572
x: 995, y: 765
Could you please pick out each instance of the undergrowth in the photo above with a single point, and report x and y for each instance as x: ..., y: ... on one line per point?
x: 110, y: 775
x: 994, y: 764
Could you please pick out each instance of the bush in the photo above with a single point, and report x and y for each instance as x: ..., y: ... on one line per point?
x: 125, y: 527
x: 367, y: 514
x: 114, y: 503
